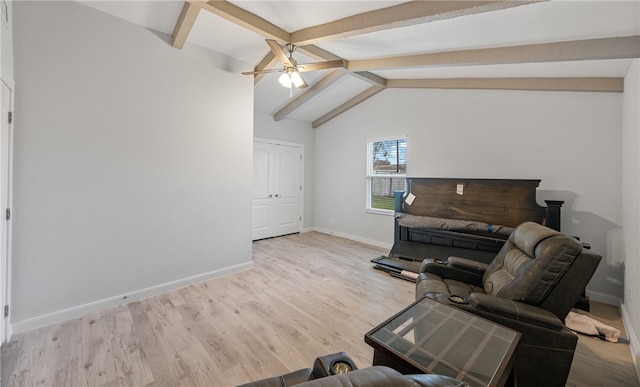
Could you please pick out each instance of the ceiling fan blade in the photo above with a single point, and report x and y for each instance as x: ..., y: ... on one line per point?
x: 321, y: 65
x: 279, y: 52
x: 262, y: 71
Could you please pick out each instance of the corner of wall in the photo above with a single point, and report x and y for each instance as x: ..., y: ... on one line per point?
x: 631, y: 197
x: 353, y: 237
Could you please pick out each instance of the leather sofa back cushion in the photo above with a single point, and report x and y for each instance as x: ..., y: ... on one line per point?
x: 530, y: 263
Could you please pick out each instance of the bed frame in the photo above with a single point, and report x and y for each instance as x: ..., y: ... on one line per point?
x: 500, y: 202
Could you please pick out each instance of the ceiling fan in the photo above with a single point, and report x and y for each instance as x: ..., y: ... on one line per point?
x: 291, y: 70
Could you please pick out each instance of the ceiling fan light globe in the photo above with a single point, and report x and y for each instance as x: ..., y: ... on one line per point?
x: 285, y: 80
x: 296, y: 79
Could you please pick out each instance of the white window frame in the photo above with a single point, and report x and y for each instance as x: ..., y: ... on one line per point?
x: 370, y: 175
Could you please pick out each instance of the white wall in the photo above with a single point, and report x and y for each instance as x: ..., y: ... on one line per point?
x: 132, y: 163
x: 571, y: 141
x: 298, y: 132
x: 6, y: 34
x: 631, y: 206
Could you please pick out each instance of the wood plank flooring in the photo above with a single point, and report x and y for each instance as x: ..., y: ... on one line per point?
x: 307, y: 295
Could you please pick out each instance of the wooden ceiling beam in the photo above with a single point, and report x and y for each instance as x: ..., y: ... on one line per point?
x: 370, y: 78
x: 311, y: 92
x: 247, y: 20
x: 623, y: 47
x: 185, y: 22
x: 402, y: 15
x: 365, y: 95
x: 317, y: 53
x: 584, y: 84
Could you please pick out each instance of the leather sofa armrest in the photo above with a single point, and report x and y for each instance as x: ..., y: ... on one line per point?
x: 515, y: 310
x: 445, y: 270
x: 468, y: 265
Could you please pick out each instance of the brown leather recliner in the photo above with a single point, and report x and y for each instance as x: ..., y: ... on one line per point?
x: 530, y: 286
x: 323, y: 375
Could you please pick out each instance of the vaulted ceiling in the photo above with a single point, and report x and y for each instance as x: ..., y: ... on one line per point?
x: 560, y: 46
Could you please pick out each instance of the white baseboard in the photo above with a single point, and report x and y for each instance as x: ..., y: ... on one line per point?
x: 123, y: 299
x: 604, y: 298
x: 353, y: 238
x: 633, y: 339
x: 8, y: 333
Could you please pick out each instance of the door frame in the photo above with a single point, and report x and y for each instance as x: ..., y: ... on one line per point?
x: 6, y: 172
x: 300, y: 202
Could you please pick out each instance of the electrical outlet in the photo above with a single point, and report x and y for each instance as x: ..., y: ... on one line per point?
x: 331, y: 221
x: 629, y: 292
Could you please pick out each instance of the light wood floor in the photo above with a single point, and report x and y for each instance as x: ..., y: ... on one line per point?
x: 307, y: 295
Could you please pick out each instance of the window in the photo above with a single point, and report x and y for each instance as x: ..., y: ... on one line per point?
x: 386, y: 172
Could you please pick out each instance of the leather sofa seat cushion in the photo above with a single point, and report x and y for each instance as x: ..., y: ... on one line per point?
x: 531, y: 263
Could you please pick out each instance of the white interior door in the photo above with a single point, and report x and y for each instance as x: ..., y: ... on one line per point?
x: 262, y: 188
x: 277, y: 189
x: 287, y: 189
x: 5, y: 179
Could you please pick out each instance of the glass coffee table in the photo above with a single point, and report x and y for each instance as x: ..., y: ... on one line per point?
x: 431, y: 337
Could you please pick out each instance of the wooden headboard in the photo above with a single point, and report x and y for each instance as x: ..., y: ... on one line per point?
x: 505, y: 202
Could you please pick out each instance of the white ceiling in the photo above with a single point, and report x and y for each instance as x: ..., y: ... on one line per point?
x: 540, y: 22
